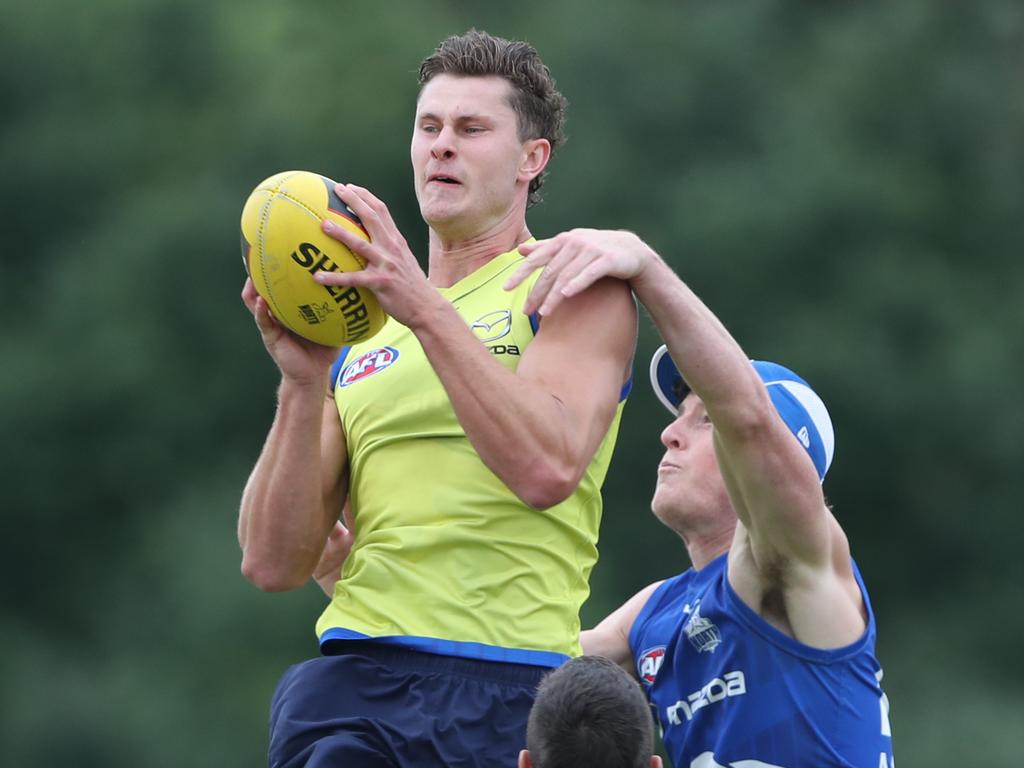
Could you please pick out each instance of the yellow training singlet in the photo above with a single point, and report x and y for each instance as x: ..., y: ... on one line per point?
x: 446, y: 558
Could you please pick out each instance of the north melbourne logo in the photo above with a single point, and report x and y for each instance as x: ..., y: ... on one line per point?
x: 703, y: 634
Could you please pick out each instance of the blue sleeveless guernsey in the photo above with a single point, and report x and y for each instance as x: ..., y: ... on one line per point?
x: 732, y: 691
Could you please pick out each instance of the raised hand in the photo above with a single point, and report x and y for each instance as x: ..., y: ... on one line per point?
x: 298, y: 358
x: 391, y: 271
x: 575, y: 260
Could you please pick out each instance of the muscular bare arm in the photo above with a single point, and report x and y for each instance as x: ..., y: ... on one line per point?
x: 790, y: 559
x: 297, y: 488
x: 610, y: 638
x: 555, y: 408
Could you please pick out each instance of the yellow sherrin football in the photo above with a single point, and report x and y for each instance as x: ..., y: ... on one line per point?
x: 283, y: 246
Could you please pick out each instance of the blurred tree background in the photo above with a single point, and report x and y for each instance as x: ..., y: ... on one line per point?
x: 842, y: 182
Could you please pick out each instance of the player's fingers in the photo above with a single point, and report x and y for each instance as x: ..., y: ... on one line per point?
x: 372, y: 211
x: 348, y: 518
x: 360, y: 278
x: 340, y: 538
x: 249, y: 294
x: 353, y: 242
x: 375, y: 204
x: 585, y: 278
x: 540, y: 255
x: 530, y: 263
x: 337, y: 533
x: 366, y: 196
x: 523, y: 271
x: 377, y: 222
x: 360, y: 197
x: 361, y: 208
x: 264, y: 317
x: 555, y: 295
x: 339, y: 542
x: 267, y: 324
x: 564, y: 255
x: 569, y: 272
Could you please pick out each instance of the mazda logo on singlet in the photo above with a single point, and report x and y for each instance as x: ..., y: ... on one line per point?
x: 493, y: 325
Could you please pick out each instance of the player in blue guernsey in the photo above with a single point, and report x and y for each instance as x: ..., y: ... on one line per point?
x: 763, y: 653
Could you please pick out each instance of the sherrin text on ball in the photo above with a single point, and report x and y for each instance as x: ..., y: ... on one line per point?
x: 283, y: 245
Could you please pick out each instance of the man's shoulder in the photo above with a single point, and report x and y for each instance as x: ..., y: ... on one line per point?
x: 662, y: 596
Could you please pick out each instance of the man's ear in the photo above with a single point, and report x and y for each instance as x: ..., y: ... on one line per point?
x: 536, y: 153
x: 524, y: 759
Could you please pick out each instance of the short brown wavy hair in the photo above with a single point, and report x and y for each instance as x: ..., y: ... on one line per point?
x: 539, y: 107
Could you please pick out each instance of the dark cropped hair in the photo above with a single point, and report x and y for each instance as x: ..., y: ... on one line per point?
x: 590, y: 712
x: 539, y: 107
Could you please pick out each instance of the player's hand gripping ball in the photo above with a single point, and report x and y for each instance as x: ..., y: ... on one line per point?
x: 283, y: 246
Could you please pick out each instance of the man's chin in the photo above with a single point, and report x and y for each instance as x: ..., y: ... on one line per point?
x: 439, y: 216
x: 670, y: 510
x: 661, y: 506
x: 666, y: 493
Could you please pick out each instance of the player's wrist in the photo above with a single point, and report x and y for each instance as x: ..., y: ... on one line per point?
x: 650, y: 271
x: 427, y: 311
x: 301, y: 385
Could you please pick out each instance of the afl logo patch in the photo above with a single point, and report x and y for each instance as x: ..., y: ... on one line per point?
x: 649, y: 663
x: 367, y: 364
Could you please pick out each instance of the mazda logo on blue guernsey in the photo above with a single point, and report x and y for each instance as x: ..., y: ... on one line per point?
x: 367, y: 364
x: 649, y: 663
x: 493, y: 325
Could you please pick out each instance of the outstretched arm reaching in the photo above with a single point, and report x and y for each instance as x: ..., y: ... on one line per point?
x: 788, y: 549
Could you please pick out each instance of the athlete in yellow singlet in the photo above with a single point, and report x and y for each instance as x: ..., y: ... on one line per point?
x: 467, y: 439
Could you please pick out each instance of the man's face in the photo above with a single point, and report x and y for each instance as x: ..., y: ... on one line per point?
x: 690, y: 491
x: 467, y: 158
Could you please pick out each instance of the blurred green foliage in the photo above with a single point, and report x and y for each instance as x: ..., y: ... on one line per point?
x: 842, y: 182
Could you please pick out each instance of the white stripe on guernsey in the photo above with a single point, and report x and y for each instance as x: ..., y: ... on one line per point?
x: 816, y: 410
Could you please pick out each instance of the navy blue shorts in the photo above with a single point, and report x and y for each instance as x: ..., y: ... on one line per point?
x: 369, y: 704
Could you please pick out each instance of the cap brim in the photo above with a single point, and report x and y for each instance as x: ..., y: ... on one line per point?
x: 794, y: 400
x: 666, y: 380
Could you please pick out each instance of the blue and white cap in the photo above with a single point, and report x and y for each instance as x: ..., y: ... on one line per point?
x: 798, y: 405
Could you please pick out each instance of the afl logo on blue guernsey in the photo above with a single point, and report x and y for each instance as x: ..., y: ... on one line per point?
x: 649, y: 663
x: 367, y: 364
